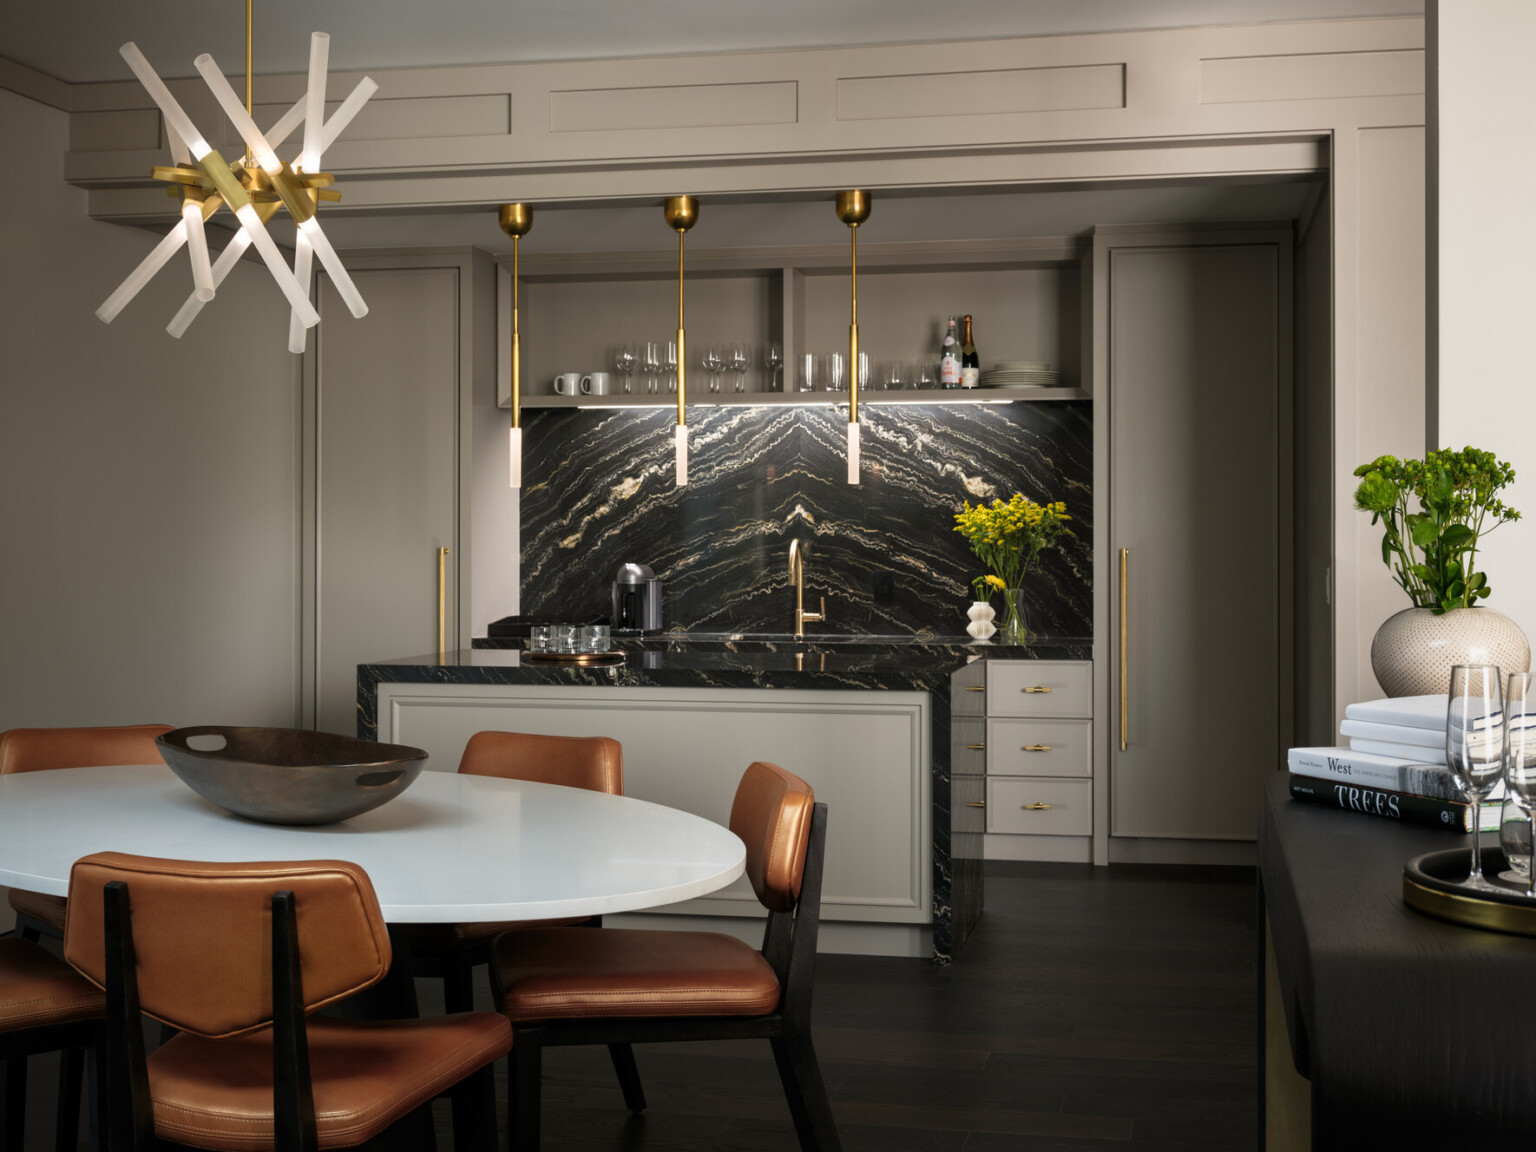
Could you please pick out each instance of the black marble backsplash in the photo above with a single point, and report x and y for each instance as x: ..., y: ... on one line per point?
x: 600, y: 493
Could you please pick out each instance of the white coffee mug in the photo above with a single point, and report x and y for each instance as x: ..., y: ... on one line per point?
x: 595, y: 384
x: 568, y: 383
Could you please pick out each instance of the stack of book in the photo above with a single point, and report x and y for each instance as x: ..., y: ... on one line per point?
x: 1394, y: 767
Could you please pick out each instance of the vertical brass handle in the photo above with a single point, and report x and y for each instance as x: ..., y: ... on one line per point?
x: 1125, y: 646
x: 442, y: 596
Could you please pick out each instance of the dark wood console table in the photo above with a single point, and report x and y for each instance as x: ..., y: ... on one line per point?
x: 1414, y: 1033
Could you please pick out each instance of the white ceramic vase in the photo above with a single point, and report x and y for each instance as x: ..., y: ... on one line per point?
x: 1414, y: 651
x: 982, y: 615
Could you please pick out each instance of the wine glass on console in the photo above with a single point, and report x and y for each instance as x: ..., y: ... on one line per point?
x: 1520, y: 748
x: 1475, y: 740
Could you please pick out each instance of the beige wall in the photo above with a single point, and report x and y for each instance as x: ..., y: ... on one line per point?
x: 148, y: 486
x: 1482, y: 250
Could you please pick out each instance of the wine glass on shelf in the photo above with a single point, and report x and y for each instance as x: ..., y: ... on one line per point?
x: 740, y: 357
x: 1520, y: 750
x: 773, y: 360
x: 669, y: 364
x: 650, y: 363
x: 624, y: 362
x: 895, y: 376
x: 1475, y: 739
x: 925, y: 375
x: 713, y: 362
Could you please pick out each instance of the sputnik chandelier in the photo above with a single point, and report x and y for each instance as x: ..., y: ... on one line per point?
x: 254, y: 189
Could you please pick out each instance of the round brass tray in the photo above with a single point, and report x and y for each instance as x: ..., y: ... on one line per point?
x: 580, y: 659
x: 1434, y: 884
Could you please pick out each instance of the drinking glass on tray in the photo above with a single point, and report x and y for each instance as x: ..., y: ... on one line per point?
x: 1475, y: 740
x: 1520, y: 750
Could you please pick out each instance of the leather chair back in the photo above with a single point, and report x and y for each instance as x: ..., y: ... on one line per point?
x: 772, y: 815
x: 202, y: 935
x: 592, y: 762
x: 37, y: 749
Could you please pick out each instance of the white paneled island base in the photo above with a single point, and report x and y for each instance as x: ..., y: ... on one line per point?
x: 865, y: 753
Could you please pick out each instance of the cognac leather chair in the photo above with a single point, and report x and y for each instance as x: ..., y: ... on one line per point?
x: 45, y: 1006
x: 236, y: 956
x: 452, y: 951
x: 563, y: 986
x: 40, y: 749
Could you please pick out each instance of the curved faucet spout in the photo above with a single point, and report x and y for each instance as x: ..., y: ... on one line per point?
x: 798, y: 551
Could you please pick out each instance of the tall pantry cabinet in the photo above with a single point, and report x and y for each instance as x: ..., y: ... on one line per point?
x: 1192, y: 349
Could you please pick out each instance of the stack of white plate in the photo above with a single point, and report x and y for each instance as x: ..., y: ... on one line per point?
x: 1010, y: 372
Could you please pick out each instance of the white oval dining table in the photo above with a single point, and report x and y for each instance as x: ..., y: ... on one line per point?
x: 451, y: 848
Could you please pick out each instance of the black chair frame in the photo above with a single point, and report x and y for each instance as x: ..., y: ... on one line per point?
x: 126, y: 1102
x: 73, y: 1042
x: 789, y: 946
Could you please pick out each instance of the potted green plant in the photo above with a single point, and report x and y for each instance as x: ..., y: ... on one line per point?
x: 1434, y: 513
x: 1008, y: 537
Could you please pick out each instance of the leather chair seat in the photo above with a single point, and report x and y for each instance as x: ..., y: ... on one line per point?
x: 367, y: 1074
x: 451, y: 939
x: 565, y: 973
x: 38, y: 989
x: 47, y: 910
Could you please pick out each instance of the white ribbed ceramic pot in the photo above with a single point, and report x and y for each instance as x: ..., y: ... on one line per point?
x: 1414, y: 651
x: 981, y: 616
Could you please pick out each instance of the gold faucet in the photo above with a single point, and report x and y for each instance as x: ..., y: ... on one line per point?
x: 797, y: 554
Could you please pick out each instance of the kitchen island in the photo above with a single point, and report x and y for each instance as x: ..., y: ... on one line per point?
x: 865, y: 719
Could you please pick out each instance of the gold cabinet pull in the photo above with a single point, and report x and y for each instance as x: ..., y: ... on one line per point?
x: 975, y: 803
x: 442, y: 595
x: 1037, y: 807
x: 1037, y: 747
x: 975, y: 687
x: 1125, y: 645
x: 1037, y: 688
x: 976, y: 747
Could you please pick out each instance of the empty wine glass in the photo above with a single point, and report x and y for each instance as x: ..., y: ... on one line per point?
x: 740, y: 357
x: 650, y: 363
x: 773, y: 360
x: 894, y: 377
x: 837, y: 372
x: 1520, y: 752
x: 624, y: 362
x: 712, y: 361
x: 925, y: 375
x: 1475, y: 738
x: 669, y: 363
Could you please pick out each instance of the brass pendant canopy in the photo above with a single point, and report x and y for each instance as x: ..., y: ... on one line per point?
x: 515, y: 219
x: 682, y: 212
x: 853, y: 206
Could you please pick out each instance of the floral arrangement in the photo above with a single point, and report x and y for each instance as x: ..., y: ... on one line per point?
x: 1432, y: 552
x: 1008, y: 537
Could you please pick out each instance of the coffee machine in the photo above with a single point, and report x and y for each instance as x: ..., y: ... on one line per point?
x: 636, y: 599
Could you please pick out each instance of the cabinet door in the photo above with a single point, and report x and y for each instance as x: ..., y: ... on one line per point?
x: 387, y: 397
x: 1195, y: 386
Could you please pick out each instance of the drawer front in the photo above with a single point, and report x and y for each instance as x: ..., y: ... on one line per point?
x: 1070, y: 812
x: 1039, y: 747
x: 968, y: 747
x: 1039, y: 688
x: 968, y: 690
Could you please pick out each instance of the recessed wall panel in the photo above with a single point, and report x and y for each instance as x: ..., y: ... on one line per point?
x: 674, y: 106
x: 1316, y: 76
x: 979, y: 93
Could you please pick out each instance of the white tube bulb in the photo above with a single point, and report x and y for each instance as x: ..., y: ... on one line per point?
x: 180, y: 153
x: 515, y: 445
x: 280, y: 271
x: 175, y: 118
x: 197, y: 248
x: 235, y: 110
x: 682, y: 455
x: 350, y: 107
x: 142, y: 275
x: 853, y: 451
x: 332, y: 264
x: 286, y: 123
x: 302, y: 253
x: 236, y: 247
x: 314, y: 109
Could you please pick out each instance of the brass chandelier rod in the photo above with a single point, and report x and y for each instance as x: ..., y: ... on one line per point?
x: 515, y: 221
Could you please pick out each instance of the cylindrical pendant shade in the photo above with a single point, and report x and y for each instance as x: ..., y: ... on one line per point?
x: 682, y: 455
x: 197, y: 248
x: 853, y: 451
x: 303, y: 259
x: 516, y: 451
x: 314, y: 105
x: 237, y: 245
x: 297, y: 297
x: 140, y: 276
x: 176, y: 118
x: 332, y: 264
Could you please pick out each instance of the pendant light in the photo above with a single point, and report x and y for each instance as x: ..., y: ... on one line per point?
x: 682, y: 213
x: 516, y: 220
x: 254, y: 190
x: 853, y: 209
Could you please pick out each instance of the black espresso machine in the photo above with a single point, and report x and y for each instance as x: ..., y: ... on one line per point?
x: 636, y: 599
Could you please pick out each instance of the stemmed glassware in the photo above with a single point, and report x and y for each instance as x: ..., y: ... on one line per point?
x: 624, y: 362
x: 650, y: 363
x: 713, y: 362
x: 1475, y: 739
x: 740, y: 358
x: 773, y: 360
x: 1520, y: 754
x: 669, y: 363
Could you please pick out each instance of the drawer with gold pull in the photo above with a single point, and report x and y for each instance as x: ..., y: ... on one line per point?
x: 1039, y: 807
x: 1039, y: 747
x: 968, y: 747
x: 1039, y: 688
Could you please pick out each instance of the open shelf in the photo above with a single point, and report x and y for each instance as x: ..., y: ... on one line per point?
x: 1017, y: 394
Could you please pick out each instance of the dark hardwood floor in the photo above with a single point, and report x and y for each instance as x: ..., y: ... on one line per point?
x: 1092, y: 1009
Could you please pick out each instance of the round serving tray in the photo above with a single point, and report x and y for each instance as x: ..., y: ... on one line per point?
x: 1435, y: 884
x: 583, y: 659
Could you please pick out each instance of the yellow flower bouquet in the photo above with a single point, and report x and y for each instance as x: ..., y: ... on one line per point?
x: 1008, y: 537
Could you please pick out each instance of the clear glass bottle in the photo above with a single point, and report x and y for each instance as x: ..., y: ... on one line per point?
x: 949, y: 361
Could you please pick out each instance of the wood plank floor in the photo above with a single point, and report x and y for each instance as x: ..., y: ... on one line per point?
x: 1092, y: 1009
